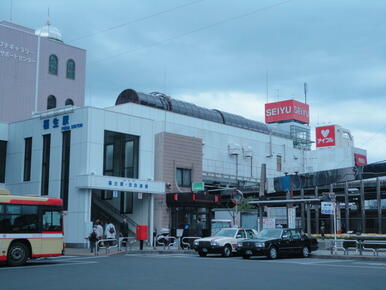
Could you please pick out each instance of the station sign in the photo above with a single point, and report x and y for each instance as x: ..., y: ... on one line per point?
x: 327, y: 207
x: 325, y: 136
x: 286, y: 111
x: 60, y: 122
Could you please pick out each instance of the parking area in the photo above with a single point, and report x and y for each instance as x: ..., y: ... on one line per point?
x: 187, y: 271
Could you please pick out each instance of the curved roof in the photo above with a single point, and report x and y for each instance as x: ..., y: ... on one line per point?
x: 164, y: 102
x: 49, y: 31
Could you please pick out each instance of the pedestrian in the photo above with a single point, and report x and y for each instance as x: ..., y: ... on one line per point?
x: 198, y: 227
x: 110, y: 232
x: 322, y: 230
x: 124, y: 231
x: 93, y: 238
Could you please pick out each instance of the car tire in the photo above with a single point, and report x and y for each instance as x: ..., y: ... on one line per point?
x: 227, y: 252
x: 246, y: 257
x: 272, y: 253
x: 18, y: 254
x: 305, y: 252
x: 202, y: 254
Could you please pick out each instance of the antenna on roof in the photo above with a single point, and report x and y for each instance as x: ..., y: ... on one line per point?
x: 266, y: 82
x: 10, y: 10
x: 48, y: 17
x: 305, y: 93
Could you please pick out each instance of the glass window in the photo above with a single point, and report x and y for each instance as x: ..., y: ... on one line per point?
x: 69, y: 102
x: 250, y: 234
x: 51, y: 102
x: 184, y: 177
x: 126, y: 202
x: 295, y: 234
x: 107, y: 195
x: 1, y: 208
x: 51, y: 220
x: 3, y: 156
x: 278, y: 163
x: 53, y: 64
x: 65, y: 174
x: 13, y: 209
x: 241, y: 234
x: 20, y: 219
x: 27, y: 158
x: 70, y: 72
x: 46, y: 164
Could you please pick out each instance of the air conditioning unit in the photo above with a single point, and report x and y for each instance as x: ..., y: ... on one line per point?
x: 247, y: 151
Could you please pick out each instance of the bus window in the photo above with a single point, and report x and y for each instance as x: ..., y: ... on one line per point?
x: 52, y: 220
x: 20, y: 219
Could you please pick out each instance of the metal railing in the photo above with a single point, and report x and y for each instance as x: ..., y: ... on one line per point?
x: 166, y: 241
x: 106, y: 244
x: 188, y: 245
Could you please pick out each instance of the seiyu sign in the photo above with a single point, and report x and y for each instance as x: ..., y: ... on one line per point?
x: 325, y: 136
x: 287, y: 110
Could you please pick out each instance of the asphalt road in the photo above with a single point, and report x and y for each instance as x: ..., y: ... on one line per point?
x: 178, y: 271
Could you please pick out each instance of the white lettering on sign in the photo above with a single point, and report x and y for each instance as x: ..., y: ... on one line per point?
x: 18, y: 53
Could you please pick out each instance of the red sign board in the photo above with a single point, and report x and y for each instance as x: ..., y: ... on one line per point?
x: 325, y: 136
x: 287, y: 110
x: 360, y: 160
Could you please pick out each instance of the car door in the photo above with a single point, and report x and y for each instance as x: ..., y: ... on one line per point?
x: 285, y: 242
x: 239, y: 236
x: 296, y: 241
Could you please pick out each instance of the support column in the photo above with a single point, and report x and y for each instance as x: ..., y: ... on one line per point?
x: 331, y: 216
x: 261, y: 218
x: 308, y: 218
x: 302, y: 210
x: 317, y: 211
x: 363, y: 211
x: 151, y: 219
x: 379, y: 206
x: 347, y: 207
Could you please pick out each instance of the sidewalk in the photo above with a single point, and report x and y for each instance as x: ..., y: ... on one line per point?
x: 133, y: 250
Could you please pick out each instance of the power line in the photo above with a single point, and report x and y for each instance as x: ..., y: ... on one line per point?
x: 226, y: 20
x: 374, y: 135
x: 140, y: 19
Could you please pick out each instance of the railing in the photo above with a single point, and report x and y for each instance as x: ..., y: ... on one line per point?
x: 345, y: 246
x: 168, y: 241
x: 188, y: 245
x: 118, y: 244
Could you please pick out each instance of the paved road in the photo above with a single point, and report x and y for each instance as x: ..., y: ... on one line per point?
x: 179, y: 271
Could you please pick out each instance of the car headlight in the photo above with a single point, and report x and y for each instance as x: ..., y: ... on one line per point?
x: 214, y: 243
x: 196, y: 242
x: 240, y: 244
x: 260, y: 245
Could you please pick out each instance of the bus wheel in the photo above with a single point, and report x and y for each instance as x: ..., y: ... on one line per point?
x: 17, y: 254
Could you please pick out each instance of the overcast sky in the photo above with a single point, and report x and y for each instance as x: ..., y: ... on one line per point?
x: 216, y: 53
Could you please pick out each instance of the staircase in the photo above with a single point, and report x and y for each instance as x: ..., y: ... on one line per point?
x: 107, y: 211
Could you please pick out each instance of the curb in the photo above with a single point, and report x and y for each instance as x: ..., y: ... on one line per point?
x: 347, y: 257
x: 186, y: 252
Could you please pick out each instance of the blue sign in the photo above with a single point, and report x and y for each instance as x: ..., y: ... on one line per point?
x: 327, y: 208
x: 130, y: 184
x: 63, y: 123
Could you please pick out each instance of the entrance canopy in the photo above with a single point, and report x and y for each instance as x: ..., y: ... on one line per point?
x: 103, y: 182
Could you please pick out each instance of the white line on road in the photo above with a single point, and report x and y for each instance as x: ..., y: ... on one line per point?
x: 50, y: 265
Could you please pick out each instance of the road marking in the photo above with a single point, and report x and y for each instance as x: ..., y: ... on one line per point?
x: 31, y: 266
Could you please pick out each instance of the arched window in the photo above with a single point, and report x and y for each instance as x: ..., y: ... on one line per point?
x: 51, y: 102
x: 53, y: 64
x: 69, y: 102
x: 70, y: 73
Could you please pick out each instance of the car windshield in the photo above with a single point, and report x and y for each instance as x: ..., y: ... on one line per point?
x: 269, y: 233
x: 226, y: 233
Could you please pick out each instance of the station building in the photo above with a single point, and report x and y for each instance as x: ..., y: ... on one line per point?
x: 140, y: 157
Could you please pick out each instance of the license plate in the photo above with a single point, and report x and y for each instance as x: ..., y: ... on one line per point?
x: 249, y: 252
x: 205, y: 250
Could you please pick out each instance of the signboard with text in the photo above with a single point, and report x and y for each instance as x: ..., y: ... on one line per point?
x: 198, y: 186
x: 360, y: 160
x: 327, y: 208
x: 286, y: 111
x: 325, y: 136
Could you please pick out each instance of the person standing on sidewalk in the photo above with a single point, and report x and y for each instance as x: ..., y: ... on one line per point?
x: 198, y: 227
x: 93, y: 238
x: 110, y: 232
x: 124, y: 231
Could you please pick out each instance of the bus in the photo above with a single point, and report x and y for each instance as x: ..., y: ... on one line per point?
x: 30, y: 227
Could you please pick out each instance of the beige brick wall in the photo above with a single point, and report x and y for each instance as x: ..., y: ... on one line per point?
x: 174, y: 151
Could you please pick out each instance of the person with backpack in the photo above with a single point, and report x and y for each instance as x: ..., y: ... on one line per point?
x: 110, y: 232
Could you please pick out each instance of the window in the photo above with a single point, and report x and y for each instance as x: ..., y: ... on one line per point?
x: 70, y: 72
x: 3, y: 156
x: 19, y: 219
x: 51, y: 220
x: 183, y: 177
x: 241, y: 234
x: 250, y: 234
x: 278, y: 163
x: 51, y: 102
x: 107, y: 195
x: 295, y: 234
x: 69, y: 102
x: 126, y: 202
x: 53, y: 64
x: 27, y: 158
x: 65, y: 175
x: 46, y: 164
x: 120, y: 155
